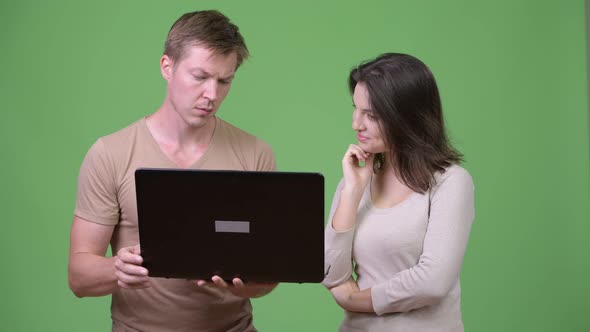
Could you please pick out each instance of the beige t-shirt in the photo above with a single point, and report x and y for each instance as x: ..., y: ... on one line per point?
x: 410, y: 255
x: 106, y: 195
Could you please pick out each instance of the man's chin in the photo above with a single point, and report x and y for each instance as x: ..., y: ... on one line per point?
x: 200, y: 121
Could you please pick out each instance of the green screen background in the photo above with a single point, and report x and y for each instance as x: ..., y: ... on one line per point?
x: 512, y: 76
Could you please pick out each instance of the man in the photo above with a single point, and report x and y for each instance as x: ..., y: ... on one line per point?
x: 203, y: 50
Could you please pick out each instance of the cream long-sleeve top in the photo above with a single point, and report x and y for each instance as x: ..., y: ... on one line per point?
x: 409, y: 255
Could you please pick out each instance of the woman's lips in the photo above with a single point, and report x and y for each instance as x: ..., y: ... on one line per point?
x: 361, y: 138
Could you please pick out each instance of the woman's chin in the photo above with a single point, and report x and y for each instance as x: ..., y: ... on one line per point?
x: 371, y: 148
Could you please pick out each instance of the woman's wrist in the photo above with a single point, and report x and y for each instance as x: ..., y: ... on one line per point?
x: 345, y: 216
x: 351, y: 195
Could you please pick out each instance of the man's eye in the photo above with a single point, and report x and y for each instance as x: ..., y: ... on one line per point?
x: 199, y: 78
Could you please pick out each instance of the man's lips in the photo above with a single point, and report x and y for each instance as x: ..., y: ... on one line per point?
x: 205, y: 110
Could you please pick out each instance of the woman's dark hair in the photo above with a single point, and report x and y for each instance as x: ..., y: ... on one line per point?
x: 404, y: 97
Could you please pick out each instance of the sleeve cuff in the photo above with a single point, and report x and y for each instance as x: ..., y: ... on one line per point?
x: 109, y: 221
x: 379, y: 298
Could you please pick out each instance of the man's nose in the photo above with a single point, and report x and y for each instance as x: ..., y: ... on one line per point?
x: 210, y: 90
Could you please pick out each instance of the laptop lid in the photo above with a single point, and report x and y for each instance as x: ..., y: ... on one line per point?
x: 258, y: 226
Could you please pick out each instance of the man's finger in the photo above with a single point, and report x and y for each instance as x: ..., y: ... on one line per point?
x: 131, y: 258
x: 131, y: 269
x: 129, y: 279
x: 238, y: 282
x: 219, y: 282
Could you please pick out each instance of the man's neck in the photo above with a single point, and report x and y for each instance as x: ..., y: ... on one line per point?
x: 167, y: 126
x: 182, y: 143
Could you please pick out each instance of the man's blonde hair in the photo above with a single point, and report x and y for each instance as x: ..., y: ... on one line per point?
x: 208, y: 28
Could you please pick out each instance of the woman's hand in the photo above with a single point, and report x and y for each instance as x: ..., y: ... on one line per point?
x: 351, y: 298
x: 356, y: 176
x: 343, y: 293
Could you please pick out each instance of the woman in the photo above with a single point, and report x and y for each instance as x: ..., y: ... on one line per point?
x: 403, y: 211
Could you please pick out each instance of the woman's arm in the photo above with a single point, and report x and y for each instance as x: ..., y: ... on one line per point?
x: 350, y: 298
x: 339, y: 232
x: 439, y: 266
x: 437, y: 271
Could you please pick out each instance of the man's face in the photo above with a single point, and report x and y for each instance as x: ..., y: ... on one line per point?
x: 198, y: 83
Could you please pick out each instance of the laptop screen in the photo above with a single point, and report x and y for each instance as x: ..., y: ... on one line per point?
x: 258, y: 226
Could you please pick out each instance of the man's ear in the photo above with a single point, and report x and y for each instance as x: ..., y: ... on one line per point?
x: 166, y: 67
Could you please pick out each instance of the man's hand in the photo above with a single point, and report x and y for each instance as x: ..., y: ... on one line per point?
x: 238, y: 288
x: 128, y: 269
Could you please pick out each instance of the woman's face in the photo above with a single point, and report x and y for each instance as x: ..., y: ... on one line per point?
x: 365, y: 122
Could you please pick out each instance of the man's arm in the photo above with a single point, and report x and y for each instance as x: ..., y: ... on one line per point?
x: 90, y: 273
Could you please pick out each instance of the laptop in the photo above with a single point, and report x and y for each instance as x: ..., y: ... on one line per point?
x: 257, y: 226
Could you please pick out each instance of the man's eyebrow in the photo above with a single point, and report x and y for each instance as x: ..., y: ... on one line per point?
x: 201, y: 70
x: 204, y: 72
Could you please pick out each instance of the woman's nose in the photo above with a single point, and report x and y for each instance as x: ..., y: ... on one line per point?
x: 357, y: 123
